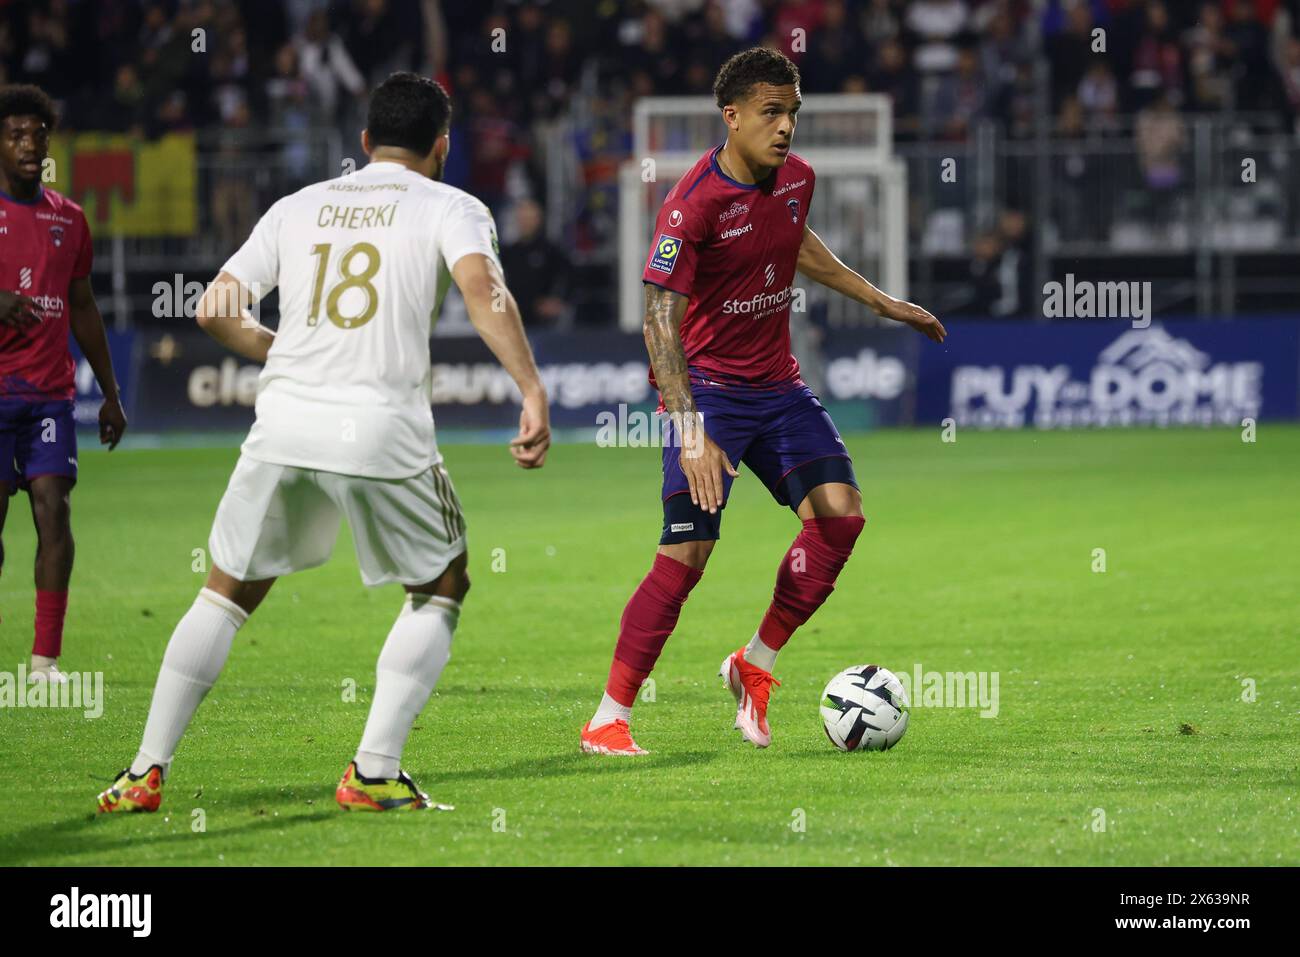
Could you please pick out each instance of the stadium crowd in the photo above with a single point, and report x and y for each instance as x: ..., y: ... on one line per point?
x: 131, y: 65
x: 515, y: 67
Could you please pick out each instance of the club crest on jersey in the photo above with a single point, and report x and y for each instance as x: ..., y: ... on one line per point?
x: 665, y: 254
x: 794, y: 209
x: 56, y: 234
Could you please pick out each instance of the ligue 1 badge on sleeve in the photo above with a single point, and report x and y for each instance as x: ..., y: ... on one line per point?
x: 665, y: 255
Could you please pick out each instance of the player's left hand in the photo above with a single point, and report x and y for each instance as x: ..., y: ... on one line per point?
x: 901, y: 311
x: 18, y: 311
x: 112, y: 423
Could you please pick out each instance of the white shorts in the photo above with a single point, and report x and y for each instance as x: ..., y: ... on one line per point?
x: 277, y: 519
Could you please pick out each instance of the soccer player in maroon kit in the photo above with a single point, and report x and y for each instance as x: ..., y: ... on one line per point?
x: 718, y: 284
x: 45, y: 254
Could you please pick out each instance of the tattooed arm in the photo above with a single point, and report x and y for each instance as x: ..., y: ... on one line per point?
x: 702, y: 461
x: 664, y: 310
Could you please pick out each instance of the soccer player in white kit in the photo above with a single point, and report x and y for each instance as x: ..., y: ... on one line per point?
x: 344, y: 427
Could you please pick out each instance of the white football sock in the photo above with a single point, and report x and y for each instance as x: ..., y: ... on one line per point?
x: 190, y: 666
x: 417, y: 649
x: 760, y: 654
x: 610, y: 711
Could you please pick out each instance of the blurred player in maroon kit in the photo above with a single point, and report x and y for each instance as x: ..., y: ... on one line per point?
x: 45, y: 254
x: 719, y: 283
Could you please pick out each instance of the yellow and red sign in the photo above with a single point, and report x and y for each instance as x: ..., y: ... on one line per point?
x: 129, y: 186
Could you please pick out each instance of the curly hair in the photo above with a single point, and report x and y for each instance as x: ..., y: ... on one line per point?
x: 23, y: 99
x: 743, y: 71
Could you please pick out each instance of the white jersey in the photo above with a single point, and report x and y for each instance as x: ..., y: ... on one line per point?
x: 362, y: 263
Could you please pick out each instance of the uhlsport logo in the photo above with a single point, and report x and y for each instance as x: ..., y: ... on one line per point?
x: 1144, y: 377
x: 665, y: 254
x: 25, y: 277
x: 675, y: 218
x: 769, y: 275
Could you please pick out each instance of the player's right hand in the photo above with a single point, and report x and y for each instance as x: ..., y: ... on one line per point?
x: 913, y: 315
x: 18, y: 312
x: 703, y: 463
x: 534, y: 438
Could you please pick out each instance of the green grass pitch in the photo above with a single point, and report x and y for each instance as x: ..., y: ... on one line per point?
x: 1122, y: 736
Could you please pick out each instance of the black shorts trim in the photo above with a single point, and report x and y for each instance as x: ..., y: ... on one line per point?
x: 684, y: 521
x: 802, y: 479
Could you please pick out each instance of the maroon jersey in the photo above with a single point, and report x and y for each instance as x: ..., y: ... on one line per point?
x: 44, y: 245
x: 732, y: 248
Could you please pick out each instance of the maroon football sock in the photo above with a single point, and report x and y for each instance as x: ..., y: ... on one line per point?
x: 807, y: 575
x: 624, y: 682
x: 649, y: 618
x: 51, y: 607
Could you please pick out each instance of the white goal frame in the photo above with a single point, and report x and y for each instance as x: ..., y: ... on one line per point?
x: 844, y: 165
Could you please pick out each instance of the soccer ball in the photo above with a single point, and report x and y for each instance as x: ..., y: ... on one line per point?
x: 864, y: 708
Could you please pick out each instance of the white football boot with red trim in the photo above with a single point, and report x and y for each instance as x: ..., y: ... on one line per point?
x: 751, y: 686
x: 614, y: 738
